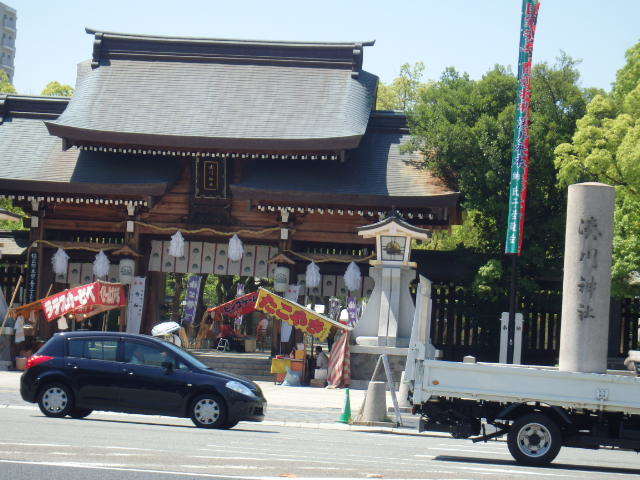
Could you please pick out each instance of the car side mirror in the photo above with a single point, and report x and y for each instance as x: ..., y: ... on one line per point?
x: 168, y: 366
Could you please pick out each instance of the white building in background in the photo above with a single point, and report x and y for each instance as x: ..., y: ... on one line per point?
x: 8, y: 43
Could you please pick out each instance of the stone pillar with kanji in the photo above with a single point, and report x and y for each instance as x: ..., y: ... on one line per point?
x: 586, y: 288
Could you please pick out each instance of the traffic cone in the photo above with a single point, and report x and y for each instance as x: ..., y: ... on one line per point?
x: 346, y: 410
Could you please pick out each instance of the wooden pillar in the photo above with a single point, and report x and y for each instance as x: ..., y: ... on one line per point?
x: 36, y: 233
x: 275, y: 336
x: 155, y: 289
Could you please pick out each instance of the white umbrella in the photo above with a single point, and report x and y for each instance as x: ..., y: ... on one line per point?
x: 164, y: 328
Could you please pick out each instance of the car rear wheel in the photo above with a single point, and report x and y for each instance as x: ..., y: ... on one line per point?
x: 208, y: 411
x: 55, y: 400
x: 534, y: 439
x: 80, y: 413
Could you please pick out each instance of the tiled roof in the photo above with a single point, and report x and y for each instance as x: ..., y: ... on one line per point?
x: 13, y: 242
x: 376, y: 173
x: 220, y: 94
x: 31, y: 159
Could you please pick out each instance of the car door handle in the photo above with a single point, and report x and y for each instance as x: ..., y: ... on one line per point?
x: 75, y: 367
x: 128, y: 372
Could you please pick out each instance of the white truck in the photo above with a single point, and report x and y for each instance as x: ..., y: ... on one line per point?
x: 540, y: 409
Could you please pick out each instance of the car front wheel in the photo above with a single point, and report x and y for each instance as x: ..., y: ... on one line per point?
x: 534, y: 439
x: 208, y: 411
x: 55, y: 400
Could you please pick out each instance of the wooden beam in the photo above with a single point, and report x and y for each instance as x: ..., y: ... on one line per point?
x: 84, y: 225
x: 83, y: 245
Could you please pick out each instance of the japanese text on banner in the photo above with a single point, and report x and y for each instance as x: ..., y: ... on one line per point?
x: 294, y: 314
x: 520, y: 155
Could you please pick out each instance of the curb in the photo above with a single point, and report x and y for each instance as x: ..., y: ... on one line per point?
x: 314, y: 426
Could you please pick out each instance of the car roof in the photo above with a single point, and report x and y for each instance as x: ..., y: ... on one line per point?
x: 97, y: 333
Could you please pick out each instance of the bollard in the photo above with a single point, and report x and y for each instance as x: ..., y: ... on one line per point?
x: 346, y: 410
x: 375, y: 405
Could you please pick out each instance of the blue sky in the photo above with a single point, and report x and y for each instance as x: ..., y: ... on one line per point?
x: 471, y: 35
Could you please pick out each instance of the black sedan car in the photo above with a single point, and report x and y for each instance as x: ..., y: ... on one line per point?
x: 77, y: 372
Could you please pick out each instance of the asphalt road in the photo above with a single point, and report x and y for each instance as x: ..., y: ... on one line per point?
x: 114, y: 446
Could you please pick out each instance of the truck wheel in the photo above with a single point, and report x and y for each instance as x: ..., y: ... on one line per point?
x: 534, y: 439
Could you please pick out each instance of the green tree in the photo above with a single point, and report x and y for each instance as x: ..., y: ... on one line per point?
x: 402, y: 94
x: 464, y: 130
x: 6, y: 204
x: 606, y: 148
x: 57, y: 89
x: 5, y: 84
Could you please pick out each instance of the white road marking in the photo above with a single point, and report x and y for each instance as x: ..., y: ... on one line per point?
x: 467, y: 450
x: 94, y: 466
x: 281, y: 458
x: 35, y: 444
x: 509, y: 470
x: 234, y: 467
x: 113, y: 447
x: 258, y: 452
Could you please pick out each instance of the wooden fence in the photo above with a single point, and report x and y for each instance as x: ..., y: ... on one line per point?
x: 461, y: 326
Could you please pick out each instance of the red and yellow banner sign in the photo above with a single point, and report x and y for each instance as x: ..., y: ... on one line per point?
x: 87, y: 299
x: 300, y: 317
x: 238, y: 306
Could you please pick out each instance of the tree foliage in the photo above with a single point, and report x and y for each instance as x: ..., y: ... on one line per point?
x: 402, y: 94
x: 7, y: 204
x: 57, y: 89
x: 606, y: 148
x: 5, y: 84
x: 464, y: 130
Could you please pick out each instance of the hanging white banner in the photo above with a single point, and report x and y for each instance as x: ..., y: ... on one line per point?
x: 136, y: 304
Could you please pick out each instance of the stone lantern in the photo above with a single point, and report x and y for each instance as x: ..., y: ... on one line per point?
x: 388, y: 317
x: 127, y: 264
x: 282, y: 272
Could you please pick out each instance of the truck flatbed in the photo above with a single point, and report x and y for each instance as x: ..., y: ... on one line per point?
x: 615, y: 391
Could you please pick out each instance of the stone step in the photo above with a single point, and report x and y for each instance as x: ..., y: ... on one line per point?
x: 252, y: 368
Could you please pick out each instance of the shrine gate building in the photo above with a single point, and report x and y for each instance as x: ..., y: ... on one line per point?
x: 277, y: 142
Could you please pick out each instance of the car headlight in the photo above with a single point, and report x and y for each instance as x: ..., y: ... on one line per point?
x: 240, y: 388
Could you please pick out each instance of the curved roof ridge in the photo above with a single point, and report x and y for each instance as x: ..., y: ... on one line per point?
x: 111, y: 45
x: 31, y: 105
x: 92, y: 31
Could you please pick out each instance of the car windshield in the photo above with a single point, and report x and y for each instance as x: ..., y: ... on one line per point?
x: 185, y: 355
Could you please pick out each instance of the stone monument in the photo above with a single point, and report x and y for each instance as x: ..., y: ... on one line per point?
x: 586, y: 288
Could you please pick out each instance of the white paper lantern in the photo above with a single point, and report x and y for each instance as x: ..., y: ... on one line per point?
x: 176, y: 247
x: 101, y: 265
x: 236, y: 250
x: 60, y: 262
x: 353, y: 277
x: 312, y: 275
